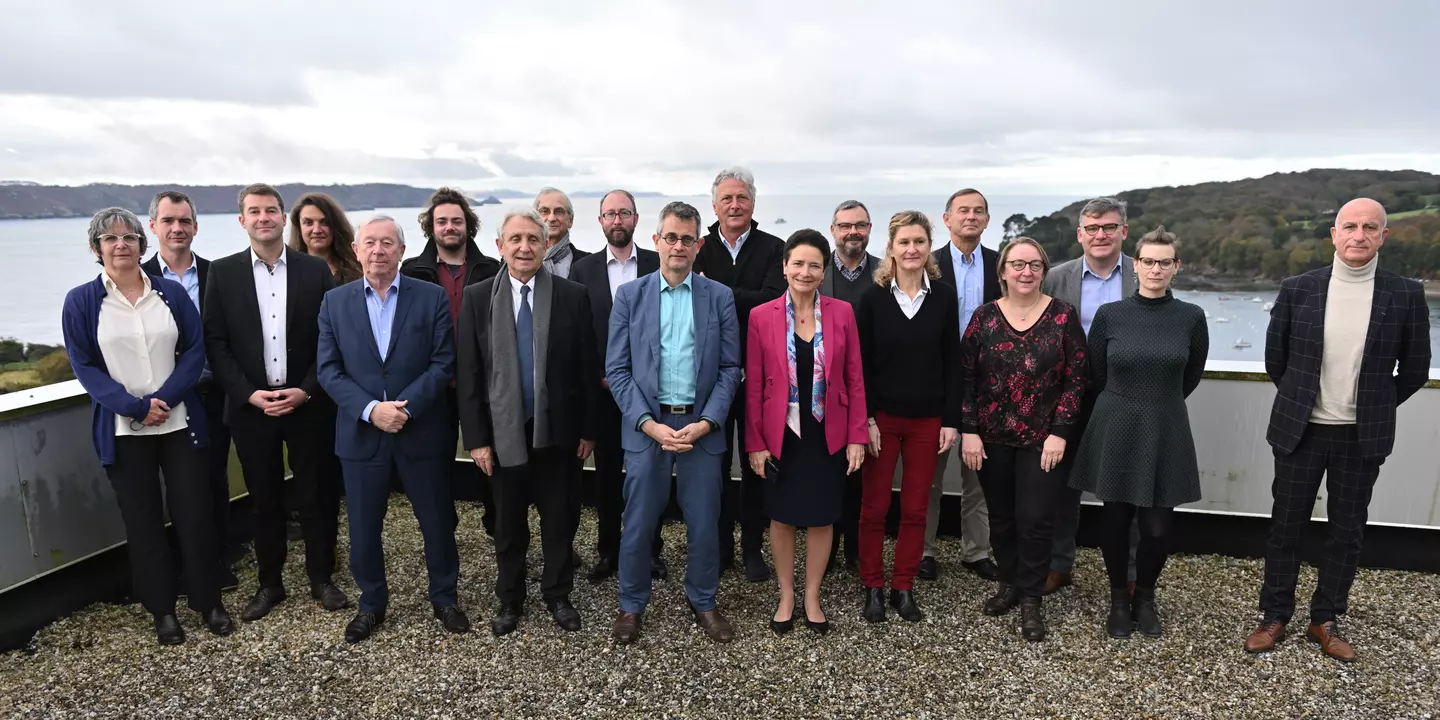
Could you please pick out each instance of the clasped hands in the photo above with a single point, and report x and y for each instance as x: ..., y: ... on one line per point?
x: 672, y: 440
x: 279, y: 402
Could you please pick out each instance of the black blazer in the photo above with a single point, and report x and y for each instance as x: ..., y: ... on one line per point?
x: 755, y: 276
x: 593, y: 273
x: 572, y: 370
x: 233, y: 342
x: 989, y: 259
x: 202, y: 268
x: 1399, y: 336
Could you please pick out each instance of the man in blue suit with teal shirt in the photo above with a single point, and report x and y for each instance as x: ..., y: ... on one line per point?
x: 385, y: 357
x: 673, y: 364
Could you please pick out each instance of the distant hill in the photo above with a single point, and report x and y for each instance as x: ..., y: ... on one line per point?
x: 1267, y: 228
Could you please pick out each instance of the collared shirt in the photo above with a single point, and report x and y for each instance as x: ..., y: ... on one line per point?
x: 1096, y: 291
x: 382, y: 322
x: 677, y: 342
x: 452, y: 278
x: 190, y: 279
x: 969, y: 282
x: 270, y: 294
x: 908, y: 306
x: 739, y: 243
x: 515, y: 286
x: 137, y: 343
x: 851, y: 275
x: 620, y: 271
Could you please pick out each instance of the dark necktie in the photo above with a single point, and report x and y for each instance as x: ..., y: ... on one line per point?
x: 525, y: 343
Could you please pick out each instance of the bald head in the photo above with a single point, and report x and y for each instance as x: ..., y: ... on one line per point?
x: 1359, y: 231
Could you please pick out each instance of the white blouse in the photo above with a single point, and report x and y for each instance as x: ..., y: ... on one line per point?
x: 137, y: 343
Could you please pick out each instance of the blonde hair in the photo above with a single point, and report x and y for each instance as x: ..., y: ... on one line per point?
x: 1005, y: 256
x: 888, y: 267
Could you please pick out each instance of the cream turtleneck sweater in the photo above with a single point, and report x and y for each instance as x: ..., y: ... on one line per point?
x: 1347, y: 322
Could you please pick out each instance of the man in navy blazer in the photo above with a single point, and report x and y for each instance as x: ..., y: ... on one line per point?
x: 673, y: 364
x: 386, y: 356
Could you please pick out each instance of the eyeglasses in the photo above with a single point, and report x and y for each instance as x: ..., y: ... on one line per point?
x: 847, y: 227
x: 612, y: 215
x: 1149, y: 263
x: 1034, y: 265
x: 557, y: 212
x: 686, y: 240
x: 1093, y: 230
x: 128, y: 239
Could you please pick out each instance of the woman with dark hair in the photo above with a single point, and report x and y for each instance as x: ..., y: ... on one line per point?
x: 805, y: 408
x: 1024, y: 377
x: 1147, y: 353
x: 910, y: 346
x: 318, y: 226
x: 136, y: 345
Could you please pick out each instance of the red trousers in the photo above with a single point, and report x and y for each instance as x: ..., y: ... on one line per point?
x: 918, y: 440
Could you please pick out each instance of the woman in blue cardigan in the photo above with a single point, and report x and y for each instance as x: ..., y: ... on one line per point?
x: 137, y: 347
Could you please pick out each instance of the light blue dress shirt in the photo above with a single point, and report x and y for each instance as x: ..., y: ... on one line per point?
x: 1096, y: 291
x: 969, y: 283
x: 382, y: 322
x: 735, y: 251
x: 677, y: 342
x: 190, y: 280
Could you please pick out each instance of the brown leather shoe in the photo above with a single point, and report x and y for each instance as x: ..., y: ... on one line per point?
x: 715, y: 625
x: 1056, y: 580
x: 627, y: 628
x: 1330, y: 643
x: 1265, y: 637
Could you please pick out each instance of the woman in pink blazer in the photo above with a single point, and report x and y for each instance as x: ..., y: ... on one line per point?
x: 805, y: 426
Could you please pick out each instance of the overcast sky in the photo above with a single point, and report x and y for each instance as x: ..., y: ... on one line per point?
x: 1052, y: 97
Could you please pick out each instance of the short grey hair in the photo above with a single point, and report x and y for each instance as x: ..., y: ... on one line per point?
x: 849, y: 205
x: 530, y: 214
x: 174, y: 196
x: 734, y: 172
x: 627, y: 195
x: 682, y: 210
x: 380, y: 217
x: 1102, y: 205
x: 569, y: 209
x: 100, y: 225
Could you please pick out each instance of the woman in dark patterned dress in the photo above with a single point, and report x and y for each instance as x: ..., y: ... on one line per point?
x: 1147, y: 353
x: 1023, y: 360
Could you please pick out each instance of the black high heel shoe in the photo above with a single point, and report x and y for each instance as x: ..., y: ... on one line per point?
x: 820, y: 628
x: 780, y: 627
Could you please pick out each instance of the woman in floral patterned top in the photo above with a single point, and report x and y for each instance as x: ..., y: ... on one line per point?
x: 1023, y: 361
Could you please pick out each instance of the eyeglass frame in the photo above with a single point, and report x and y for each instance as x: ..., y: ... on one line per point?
x: 1108, y: 228
x: 613, y: 215
x: 847, y: 227
x: 672, y: 238
x: 1165, y: 263
x: 113, y: 239
x: 1036, y: 266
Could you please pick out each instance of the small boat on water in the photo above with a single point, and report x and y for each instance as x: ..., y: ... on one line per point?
x: 1241, y: 344
x: 1223, y: 298
x: 779, y: 221
x: 1220, y: 320
x: 1256, y: 300
x: 1267, y: 306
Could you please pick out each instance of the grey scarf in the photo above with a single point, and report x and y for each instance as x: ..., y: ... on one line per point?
x: 557, y: 253
x: 507, y: 417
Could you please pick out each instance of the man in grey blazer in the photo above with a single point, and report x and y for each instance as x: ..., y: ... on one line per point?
x: 1103, y: 274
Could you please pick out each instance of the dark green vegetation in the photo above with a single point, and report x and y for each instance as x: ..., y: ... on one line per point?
x: 25, y: 366
x: 1267, y: 228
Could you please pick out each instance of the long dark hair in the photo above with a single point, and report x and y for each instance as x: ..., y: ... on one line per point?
x: 342, y: 235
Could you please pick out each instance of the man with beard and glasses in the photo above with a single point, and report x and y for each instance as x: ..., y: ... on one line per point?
x: 452, y: 260
x: 559, y: 215
x: 602, y: 274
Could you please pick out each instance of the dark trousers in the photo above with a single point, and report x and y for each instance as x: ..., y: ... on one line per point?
x: 487, y: 500
x: 849, y: 526
x: 610, y: 491
x: 1022, y: 499
x: 308, y: 434
x: 136, y: 477
x: 217, y: 459
x: 1148, y: 555
x: 426, y: 481
x: 742, y: 502
x: 549, y: 482
x: 1331, y: 452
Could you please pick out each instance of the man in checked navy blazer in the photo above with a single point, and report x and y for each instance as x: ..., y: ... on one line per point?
x: 673, y: 364
x: 1346, y: 344
x: 386, y: 356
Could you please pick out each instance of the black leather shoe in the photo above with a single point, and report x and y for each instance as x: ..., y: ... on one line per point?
x: 330, y: 597
x: 1146, y: 618
x: 218, y: 621
x: 264, y: 601
x: 658, y: 569
x: 1003, y: 601
x: 508, y: 620
x: 168, y: 630
x: 363, y: 626
x: 780, y: 627
x: 603, y: 568
x: 984, y: 568
x: 904, y: 603
x: 874, y: 611
x: 929, y: 569
x: 1032, y: 620
x: 565, y: 614
x: 1120, y: 623
x: 819, y: 628
x: 452, y: 618
x: 755, y: 568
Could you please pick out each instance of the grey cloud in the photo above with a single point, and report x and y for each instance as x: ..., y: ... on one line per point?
x: 516, y: 166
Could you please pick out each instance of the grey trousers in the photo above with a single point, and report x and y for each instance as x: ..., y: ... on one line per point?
x: 974, y: 515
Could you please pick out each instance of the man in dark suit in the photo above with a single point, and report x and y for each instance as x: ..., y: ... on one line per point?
x: 386, y: 353
x: 602, y: 274
x: 738, y: 254
x: 173, y: 221
x: 527, y: 376
x: 559, y: 215
x: 968, y: 267
x: 1346, y: 345
x: 452, y: 260
x: 261, y: 306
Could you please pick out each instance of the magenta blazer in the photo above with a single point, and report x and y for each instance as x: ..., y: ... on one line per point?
x: 767, y: 378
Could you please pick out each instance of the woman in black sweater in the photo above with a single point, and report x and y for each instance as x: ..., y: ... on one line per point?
x: 910, y: 349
